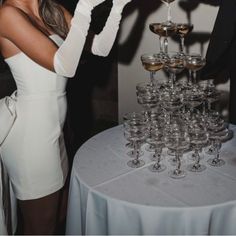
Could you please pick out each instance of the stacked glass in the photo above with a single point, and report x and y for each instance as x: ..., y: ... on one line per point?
x: 176, y: 117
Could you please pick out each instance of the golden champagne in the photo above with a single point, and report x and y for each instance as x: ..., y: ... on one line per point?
x: 152, y: 65
x: 194, y: 67
x: 163, y: 29
x: 184, y: 29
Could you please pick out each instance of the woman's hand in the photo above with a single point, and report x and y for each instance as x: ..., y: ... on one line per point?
x: 120, y: 4
x: 91, y: 3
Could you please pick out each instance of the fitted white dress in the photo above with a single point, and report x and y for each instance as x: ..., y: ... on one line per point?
x: 34, y: 152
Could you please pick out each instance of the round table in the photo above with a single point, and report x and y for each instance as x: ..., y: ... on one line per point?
x: 108, y: 197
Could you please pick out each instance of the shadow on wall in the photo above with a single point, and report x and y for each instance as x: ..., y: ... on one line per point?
x: 92, y: 93
x: 128, y: 49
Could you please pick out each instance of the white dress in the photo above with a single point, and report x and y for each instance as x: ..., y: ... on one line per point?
x: 34, y: 152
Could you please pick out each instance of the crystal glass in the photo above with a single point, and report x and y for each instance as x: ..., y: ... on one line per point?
x: 218, y: 133
x: 183, y: 29
x: 211, y: 95
x: 198, y: 139
x: 194, y: 62
x: 136, y: 131
x: 147, y: 96
x: 129, y: 116
x: 216, y: 161
x: 156, y: 140
x: 174, y: 64
x: 178, y: 142
x: 164, y: 30
x: 152, y: 63
x: 171, y: 102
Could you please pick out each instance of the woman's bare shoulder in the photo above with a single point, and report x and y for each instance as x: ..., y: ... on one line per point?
x: 10, y: 15
x: 10, y: 11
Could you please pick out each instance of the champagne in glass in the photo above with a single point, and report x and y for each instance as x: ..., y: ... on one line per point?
x: 193, y: 63
x: 183, y: 29
x: 152, y: 63
x: 174, y: 64
x: 165, y: 30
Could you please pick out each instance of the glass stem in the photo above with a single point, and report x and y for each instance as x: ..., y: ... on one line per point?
x: 178, y: 162
x: 190, y: 82
x: 166, y: 45
x: 195, y: 77
x: 182, y: 45
x: 161, y: 44
x: 168, y: 12
x: 152, y: 78
x: 172, y: 80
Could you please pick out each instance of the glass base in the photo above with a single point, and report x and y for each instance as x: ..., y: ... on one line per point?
x: 133, y: 154
x: 135, y: 163
x: 216, y: 162
x: 177, y: 174
x: 196, y: 167
x: 157, y: 167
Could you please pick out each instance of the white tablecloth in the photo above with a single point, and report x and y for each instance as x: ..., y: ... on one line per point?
x: 108, y: 197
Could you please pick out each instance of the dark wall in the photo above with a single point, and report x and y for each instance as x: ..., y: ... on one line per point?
x: 92, y: 94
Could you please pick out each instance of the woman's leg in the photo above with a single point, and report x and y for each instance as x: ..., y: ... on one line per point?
x: 40, y: 215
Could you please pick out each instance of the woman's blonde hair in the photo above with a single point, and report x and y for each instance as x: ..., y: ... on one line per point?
x: 52, y: 16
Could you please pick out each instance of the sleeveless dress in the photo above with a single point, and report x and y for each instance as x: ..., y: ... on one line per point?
x: 34, y: 152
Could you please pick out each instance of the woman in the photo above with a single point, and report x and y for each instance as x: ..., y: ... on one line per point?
x: 42, y: 45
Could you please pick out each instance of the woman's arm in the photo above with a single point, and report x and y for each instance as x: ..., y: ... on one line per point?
x: 17, y: 27
x: 103, y: 42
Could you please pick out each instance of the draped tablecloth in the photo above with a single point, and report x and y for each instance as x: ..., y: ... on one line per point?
x: 108, y: 197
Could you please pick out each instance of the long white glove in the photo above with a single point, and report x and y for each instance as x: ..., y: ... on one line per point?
x: 103, y: 42
x: 67, y: 56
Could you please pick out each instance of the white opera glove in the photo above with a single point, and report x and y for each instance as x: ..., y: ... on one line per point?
x: 103, y: 42
x: 67, y: 56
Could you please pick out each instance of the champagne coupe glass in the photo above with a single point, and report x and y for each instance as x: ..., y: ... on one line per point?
x: 147, y: 97
x: 130, y: 119
x: 136, y: 132
x: 156, y: 139
x: 214, y: 123
x: 211, y: 95
x: 152, y: 63
x: 218, y: 133
x: 183, y: 29
x: 178, y: 142
x: 129, y: 116
x: 194, y: 62
x: 171, y: 103
x: 164, y: 30
x: 217, y: 143
x: 198, y: 139
x: 192, y: 98
x: 174, y: 64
